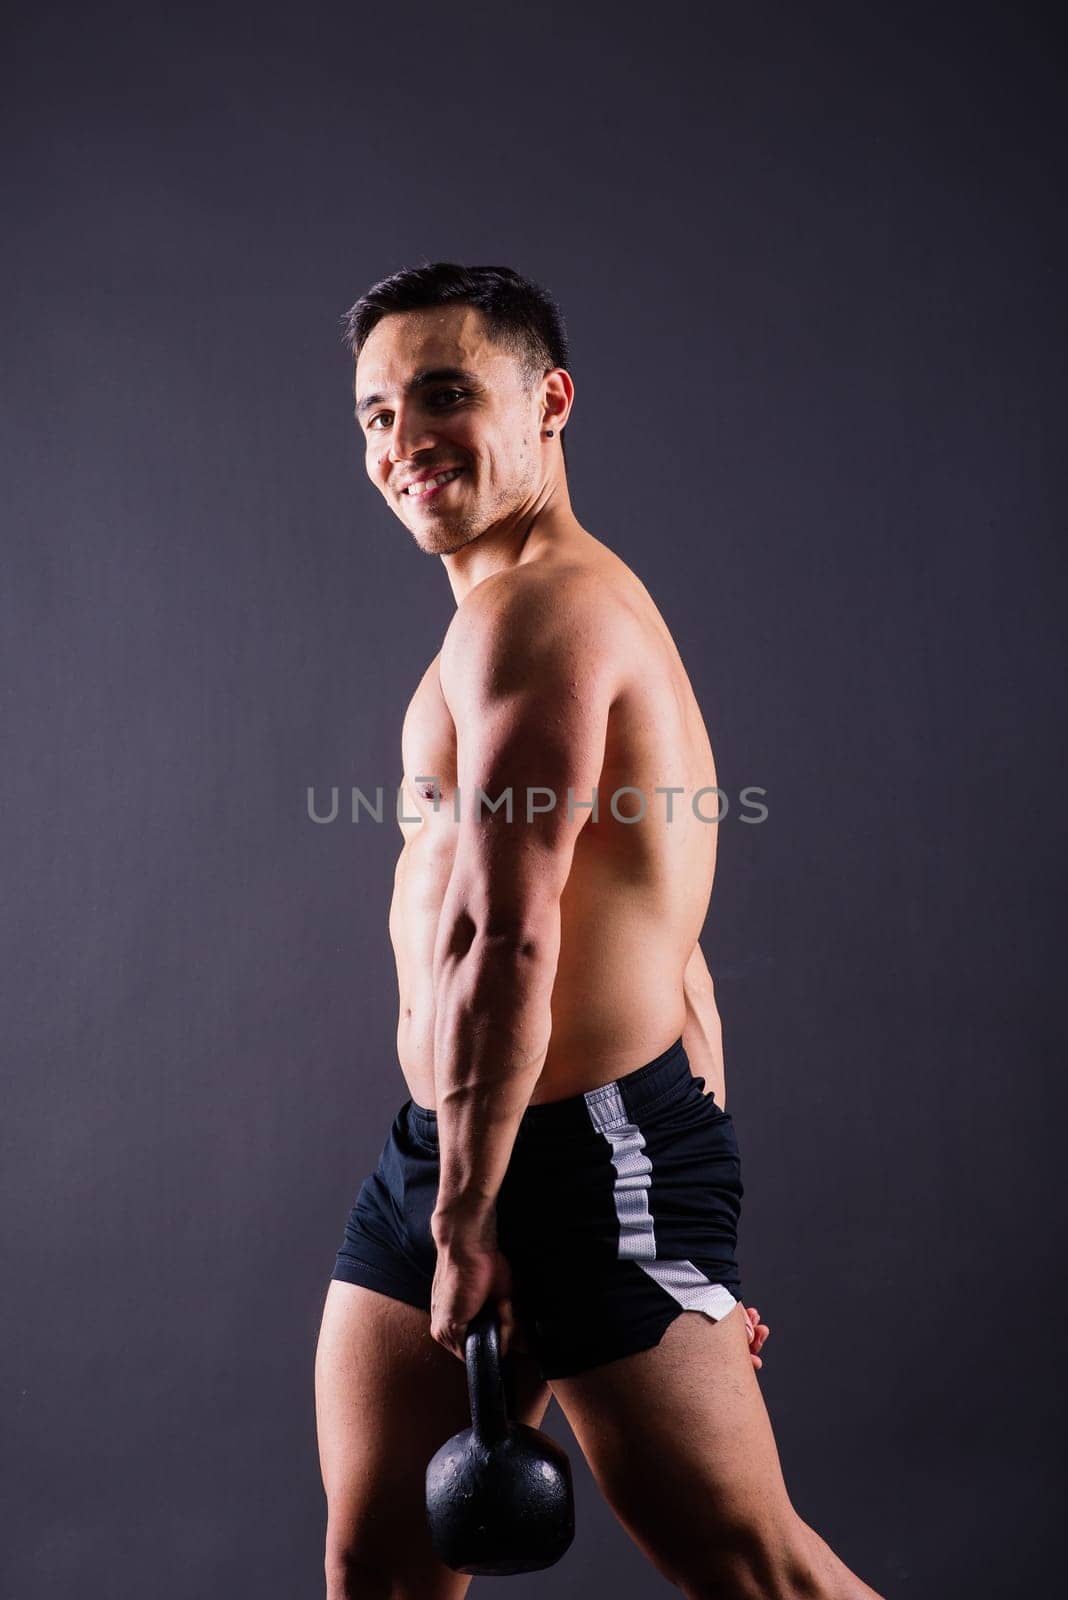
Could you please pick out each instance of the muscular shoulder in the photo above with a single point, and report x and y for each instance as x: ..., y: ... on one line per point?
x: 556, y: 626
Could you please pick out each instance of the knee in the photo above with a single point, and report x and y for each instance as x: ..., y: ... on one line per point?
x: 738, y: 1580
x: 751, y: 1565
x: 348, y: 1577
x: 357, y: 1574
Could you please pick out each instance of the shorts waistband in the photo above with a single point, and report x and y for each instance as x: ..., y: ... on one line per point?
x: 667, y: 1075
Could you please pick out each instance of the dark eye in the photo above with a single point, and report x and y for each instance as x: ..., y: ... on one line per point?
x: 448, y: 396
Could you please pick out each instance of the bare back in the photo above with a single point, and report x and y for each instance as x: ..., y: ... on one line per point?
x: 638, y: 891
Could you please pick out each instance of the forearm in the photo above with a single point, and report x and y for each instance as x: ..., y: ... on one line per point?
x: 702, y: 1034
x: 491, y: 1036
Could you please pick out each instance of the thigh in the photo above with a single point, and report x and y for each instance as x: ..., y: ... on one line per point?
x: 680, y: 1443
x: 387, y: 1395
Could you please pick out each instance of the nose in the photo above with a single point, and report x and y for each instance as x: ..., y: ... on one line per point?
x: 409, y: 434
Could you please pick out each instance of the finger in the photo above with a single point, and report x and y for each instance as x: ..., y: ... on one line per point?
x: 506, y: 1315
x: 451, y: 1338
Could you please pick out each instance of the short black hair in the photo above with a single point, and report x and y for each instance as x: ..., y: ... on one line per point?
x: 522, y: 317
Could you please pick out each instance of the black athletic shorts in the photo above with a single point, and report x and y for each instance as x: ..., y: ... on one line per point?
x: 618, y: 1211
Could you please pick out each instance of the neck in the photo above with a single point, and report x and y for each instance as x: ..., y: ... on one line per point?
x: 532, y: 532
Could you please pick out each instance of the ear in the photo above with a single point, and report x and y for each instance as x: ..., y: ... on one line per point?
x: 557, y: 397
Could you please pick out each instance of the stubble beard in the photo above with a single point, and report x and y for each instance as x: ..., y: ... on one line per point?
x: 444, y: 537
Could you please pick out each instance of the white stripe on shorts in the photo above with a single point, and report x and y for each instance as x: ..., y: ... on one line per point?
x: 630, y: 1191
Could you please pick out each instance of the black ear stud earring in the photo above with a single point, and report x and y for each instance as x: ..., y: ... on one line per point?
x: 548, y: 433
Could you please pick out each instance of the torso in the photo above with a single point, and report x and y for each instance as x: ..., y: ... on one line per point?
x: 637, y: 894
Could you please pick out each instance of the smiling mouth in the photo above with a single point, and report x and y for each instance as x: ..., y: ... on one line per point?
x: 419, y: 491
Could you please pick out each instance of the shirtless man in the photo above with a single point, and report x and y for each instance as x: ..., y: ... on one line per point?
x: 566, y: 1151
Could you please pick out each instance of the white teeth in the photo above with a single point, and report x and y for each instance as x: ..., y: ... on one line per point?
x: 416, y: 489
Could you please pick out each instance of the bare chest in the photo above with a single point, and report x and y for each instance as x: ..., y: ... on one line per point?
x: 428, y: 749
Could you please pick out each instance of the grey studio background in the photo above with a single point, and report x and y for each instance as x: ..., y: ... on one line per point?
x: 811, y: 260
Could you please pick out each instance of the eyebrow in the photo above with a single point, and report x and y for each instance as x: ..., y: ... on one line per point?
x: 420, y: 381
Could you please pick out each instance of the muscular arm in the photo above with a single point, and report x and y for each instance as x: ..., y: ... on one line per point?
x: 702, y: 1035
x: 525, y: 673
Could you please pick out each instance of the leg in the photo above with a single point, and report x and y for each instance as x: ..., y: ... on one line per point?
x: 679, y: 1441
x: 386, y: 1397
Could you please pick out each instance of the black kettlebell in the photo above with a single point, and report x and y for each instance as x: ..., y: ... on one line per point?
x: 499, y: 1498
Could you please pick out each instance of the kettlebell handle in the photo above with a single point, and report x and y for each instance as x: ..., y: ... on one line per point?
x: 482, y: 1349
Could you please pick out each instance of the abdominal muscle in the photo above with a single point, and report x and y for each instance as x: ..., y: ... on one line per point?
x: 617, y: 999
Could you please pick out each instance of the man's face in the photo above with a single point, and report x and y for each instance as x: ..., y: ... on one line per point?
x: 434, y: 394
